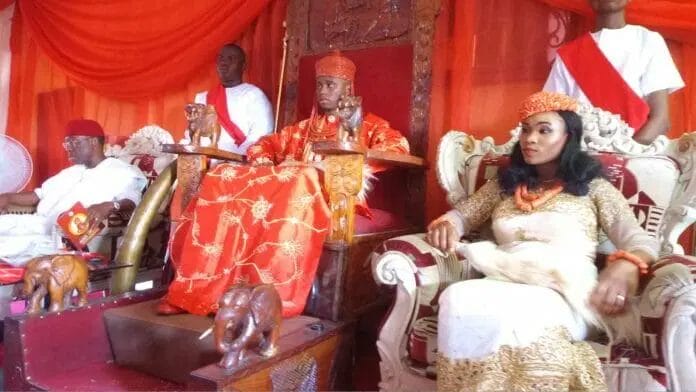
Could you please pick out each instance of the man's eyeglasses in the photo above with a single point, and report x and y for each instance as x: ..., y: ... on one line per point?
x: 75, y: 141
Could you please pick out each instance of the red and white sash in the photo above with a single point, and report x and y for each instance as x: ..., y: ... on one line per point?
x: 218, y: 98
x: 601, y: 82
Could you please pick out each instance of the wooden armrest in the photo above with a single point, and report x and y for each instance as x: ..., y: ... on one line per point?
x: 333, y: 147
x: 395, y: 159
x: 187, y: 149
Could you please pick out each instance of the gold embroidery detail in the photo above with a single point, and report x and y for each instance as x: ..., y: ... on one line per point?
x: 521, y: 235
x: 286, y: 174
x: 611, y: 205
x: 552, y: 363
x: 580, y: 207
x: 228, y: 174
x: 477, y: 208
x: 260, y: 208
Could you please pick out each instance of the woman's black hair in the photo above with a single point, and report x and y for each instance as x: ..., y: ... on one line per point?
x: 576, y: 168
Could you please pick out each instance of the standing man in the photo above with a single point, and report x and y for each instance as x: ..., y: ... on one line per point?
x: 244, y: 112
x: 103, y: 185
x: 624, y: 69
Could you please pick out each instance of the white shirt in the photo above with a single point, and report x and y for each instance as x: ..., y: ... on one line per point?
x: 110, y: 179
x: 641, y: 57
x: 250, y: 110
x: 25, y: 236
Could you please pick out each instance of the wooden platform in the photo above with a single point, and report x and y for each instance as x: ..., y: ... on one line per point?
x: 168, y: 347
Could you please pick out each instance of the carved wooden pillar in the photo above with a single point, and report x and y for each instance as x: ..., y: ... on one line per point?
x: 189, y: 172
x: 343, y: 181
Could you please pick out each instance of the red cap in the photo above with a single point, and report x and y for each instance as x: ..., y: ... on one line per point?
x: 84, y: 127
x: 335, y: 65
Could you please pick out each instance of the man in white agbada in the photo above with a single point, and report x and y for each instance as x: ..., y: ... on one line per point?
x: 244, y: 112
x: 641, y: 58
x: 103, y: 185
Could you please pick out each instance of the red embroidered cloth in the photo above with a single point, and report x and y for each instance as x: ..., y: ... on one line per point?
x: 262, y: 224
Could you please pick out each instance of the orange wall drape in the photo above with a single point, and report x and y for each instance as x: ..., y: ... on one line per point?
x: 490, y: 54
x: 451, y: 87
x: 134, y: 49
x: 157, y: 96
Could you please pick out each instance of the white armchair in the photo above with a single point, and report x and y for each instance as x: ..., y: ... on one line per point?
x: 659, y: 182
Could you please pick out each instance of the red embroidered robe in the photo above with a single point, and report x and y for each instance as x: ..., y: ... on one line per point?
x: 262, y: 224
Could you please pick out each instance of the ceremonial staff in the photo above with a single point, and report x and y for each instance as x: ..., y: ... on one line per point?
x: 282, y: 76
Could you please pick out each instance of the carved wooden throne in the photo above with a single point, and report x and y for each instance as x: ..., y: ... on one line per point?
x: 390, y: 43
x: 659, y: 183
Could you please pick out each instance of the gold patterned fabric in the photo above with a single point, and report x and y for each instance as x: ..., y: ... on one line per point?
x: 478, y: 208
x: 603, y: 209
x: 553, y: 363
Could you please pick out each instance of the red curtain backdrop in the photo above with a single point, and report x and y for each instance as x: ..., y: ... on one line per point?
x: 134, y: 49
x: 127, y: 64
x: 490, y: 54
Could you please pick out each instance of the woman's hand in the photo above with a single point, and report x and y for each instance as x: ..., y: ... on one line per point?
x: 442, y: 234
x: 617, y: 282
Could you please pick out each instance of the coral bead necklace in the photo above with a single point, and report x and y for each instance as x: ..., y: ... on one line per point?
x: 529, y: 201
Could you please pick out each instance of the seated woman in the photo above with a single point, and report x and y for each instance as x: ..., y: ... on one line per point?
x: 514, y: 329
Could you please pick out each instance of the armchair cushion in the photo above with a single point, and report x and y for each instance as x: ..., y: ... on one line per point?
x: 434, y: 272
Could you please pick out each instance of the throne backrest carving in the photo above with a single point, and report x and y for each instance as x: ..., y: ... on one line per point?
x: 657, y: 179
x: 391, y: 43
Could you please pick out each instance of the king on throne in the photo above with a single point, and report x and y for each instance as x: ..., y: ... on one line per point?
x: 266, y: 223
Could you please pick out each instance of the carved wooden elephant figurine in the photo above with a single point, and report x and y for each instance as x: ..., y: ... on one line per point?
x: 249, y: 318
x: 56, y: 275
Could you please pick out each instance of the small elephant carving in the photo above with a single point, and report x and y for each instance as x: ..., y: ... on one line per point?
x: 202, y: 121
x: 56, y: 275
x: 249, y: 318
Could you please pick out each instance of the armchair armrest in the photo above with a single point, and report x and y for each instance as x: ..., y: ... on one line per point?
x: 668, y: 315
x: 420, y: 273
x: 188, y: 149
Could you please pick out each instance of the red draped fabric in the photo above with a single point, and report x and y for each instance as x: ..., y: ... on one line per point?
x: 128, y: 64
x: 250, y: 225
x: 491, y: 54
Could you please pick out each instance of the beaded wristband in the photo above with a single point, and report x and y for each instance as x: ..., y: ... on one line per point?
x: 628, y: 256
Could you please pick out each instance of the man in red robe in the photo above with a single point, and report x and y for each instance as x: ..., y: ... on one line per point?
x: 266, y: 223
x: 335, y: 105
